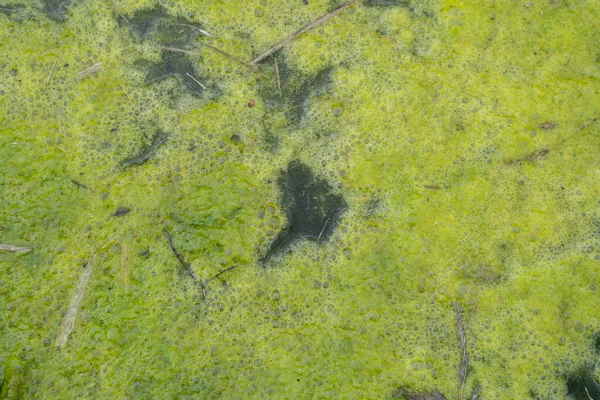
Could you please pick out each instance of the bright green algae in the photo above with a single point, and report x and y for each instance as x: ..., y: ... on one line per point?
x: 430, y: 129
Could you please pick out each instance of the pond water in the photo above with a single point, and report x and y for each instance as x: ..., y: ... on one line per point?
x: 402, y: 201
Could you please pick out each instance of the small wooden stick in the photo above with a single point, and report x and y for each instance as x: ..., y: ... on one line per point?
x: 249, y: 66
x: 16, y: 249
x: 51, y: 69
x: 68, y: 322
x: 178, y: 50
x: 465, y: 356
x: 307, y: 28
x: 277, y: 73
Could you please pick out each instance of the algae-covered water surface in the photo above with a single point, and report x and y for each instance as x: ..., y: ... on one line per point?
x: 300, y: 199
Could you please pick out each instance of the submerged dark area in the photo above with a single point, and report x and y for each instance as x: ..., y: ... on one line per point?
x: 312, y: 208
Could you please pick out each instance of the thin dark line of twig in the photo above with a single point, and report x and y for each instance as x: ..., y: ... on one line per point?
x: 219, y: 273
x: 178, y: 50
x: 16, y: 249
x: 464, y: 365
x: 475, y: 394
x: 185, y: 265
x: 251, y: 67
x: 307, y: 28
x: 277, y: 73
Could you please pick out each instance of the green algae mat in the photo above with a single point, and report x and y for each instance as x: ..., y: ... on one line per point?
x: 291, y: 199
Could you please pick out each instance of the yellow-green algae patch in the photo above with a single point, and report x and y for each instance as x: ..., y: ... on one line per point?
x: 461, y: 135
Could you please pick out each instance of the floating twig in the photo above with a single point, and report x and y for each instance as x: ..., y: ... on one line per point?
x: 323, y: 230
x: 78, y: 184
x: 196, y: 80
x: 219, y: 273
x: 251, y: 67
x: 178, y: 50
x: 121, y: 211
x: 464, y: 365
x: 185, y: 265
x: 68, y: 322
x: 15, y: 249
x: 202, y: 31
x: 277, y: 73
x: 543, y: 152
x: 547, y: 125
x: 51, y: 69
x: 432, y: 187
x: 88, y: 71
x: 307, y: 28
x: 475, y: 394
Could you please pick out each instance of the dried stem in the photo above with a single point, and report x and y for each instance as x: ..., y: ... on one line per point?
x: 307, y: 28
x: 68, y: 322
x: 464, y: 365
x: 185, y: 265
x: 178, y: 50
x: 219, y: 273
x: 51, y: 69
x: 277, y: 73
x: 543, y: 152
x: 16, y: 249
x: 251, y: 67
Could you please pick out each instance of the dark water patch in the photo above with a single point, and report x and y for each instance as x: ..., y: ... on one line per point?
x: 56, y: 9
x: 179, y: 66
x: 143, y: 22
x: 582, y: 386
x: 146, y: 151
x: 312, y: 208
x: 157, y: 25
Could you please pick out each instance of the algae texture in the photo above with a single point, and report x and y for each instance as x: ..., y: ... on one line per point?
x: 461, y: 140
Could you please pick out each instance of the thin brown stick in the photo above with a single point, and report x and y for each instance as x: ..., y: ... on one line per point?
x: 277, y: 73
x: 219, y: 273
x: 51, y: 69
x: 202, y: 31
x: 16, y: 249
x: 307, y: 28
x: 178, y: 50
x: 464, y: 365
x: 68, y: 322
x: 88, y: 71
x: 253, y: 68
x: 475, y: 394
x: 322, y: 230
x: 185, y: 265
x: 543, y: 152
x: 196, y: 80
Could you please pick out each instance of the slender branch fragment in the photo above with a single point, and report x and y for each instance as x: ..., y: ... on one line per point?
x: 277, y: 73
x: 66, y: 327
x: 202, y: 31
x: 16, y: 249
x: 185, y: 265
x: 465, y: 356
x: 251, y: 67
x: 323, y: 230
x: 78, y: 184
x: 307, y: 28
x: 219, y: 273
x: 178, y: 50
x: 432, y: 187
x: 196, y: 80
x: 543, y: 152
x: 88, y: 71
x: 475, y: 394
x: 51, y: 69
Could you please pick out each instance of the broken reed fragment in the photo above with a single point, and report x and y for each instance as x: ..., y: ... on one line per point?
x: 307, y: 28
x: 15, y: 249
